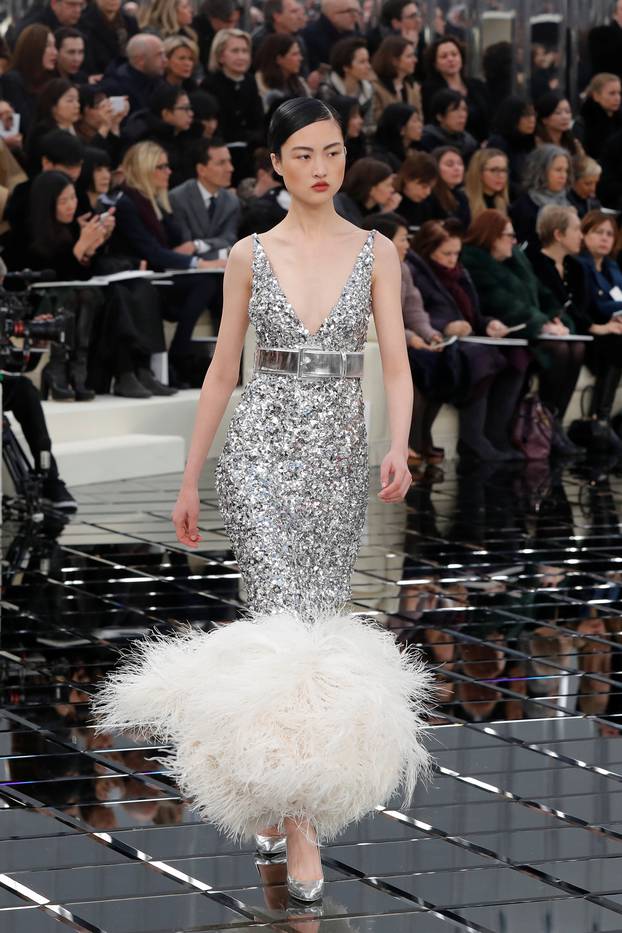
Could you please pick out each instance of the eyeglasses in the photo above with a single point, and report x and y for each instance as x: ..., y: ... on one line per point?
x: 510, y: 236
x: 162, y: 166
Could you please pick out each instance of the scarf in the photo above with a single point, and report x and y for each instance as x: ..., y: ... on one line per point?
x: 451, y: 279
x: 542, y: 197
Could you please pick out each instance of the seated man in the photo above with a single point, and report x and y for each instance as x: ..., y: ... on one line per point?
x: 206, y: 211
x: 139, y: 76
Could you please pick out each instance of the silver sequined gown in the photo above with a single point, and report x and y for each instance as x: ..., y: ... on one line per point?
x: 292, y: 478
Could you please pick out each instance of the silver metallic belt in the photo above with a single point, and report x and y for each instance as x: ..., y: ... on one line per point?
x: 306, y: 362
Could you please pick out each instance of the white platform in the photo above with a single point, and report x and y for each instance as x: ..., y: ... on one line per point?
x: 119, y: 457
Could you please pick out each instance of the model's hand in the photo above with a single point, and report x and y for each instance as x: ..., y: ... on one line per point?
x: 395, y: 477
x: 186, y: 517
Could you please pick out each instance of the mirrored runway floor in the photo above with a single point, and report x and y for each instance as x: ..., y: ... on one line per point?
x: 509, y: 580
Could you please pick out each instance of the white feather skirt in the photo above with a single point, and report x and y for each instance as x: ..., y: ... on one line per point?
x: 275, y: 716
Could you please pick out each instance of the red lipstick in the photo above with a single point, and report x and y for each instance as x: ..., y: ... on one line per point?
x: 320, y: 186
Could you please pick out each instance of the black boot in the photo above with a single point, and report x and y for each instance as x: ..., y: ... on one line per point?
x: 78, y: 358
x: 53, y: 489
x: 54, y: 375
x: 502, y: 401
x: 128, y: 386
x: 473, y: 443
x: 77, y: 377
x: 149, y: 381
x: 603, y: 398
x: 560, y: 442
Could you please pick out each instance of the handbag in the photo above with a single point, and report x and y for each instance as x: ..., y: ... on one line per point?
x: 589, y: 431
x: 532, y: 432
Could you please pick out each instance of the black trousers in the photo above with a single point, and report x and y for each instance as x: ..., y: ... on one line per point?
x: 559, y: 378
x: 186, y: 300
x: 21, y: 397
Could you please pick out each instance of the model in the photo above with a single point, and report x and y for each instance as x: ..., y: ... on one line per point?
x: 300, y: 717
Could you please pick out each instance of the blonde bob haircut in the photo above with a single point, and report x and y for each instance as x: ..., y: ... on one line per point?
x: 474, y: 187
x: 172, y: 43
x: 599, y: 81
x: 138, y: 165
x: 220, y: 41
x: 551, y: 219
x: 161, y: 15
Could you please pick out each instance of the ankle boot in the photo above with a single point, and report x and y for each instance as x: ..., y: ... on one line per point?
x: 560, y: 442
x: 77, y: 377
x: 472, y: 443
x: 149, y: 381
x: 54, y: 376
x: 128, y: 386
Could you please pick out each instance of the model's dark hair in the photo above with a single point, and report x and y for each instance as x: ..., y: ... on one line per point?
x: 48, y: 235
x: 386, y: 223
x: 293, y: 115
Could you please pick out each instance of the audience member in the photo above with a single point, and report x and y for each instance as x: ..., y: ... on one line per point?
x: 58, y: 107
x: 392, y: 80
x: 32, y: 66
x: 367, y: 188
x: 448, y: 197
x: 445, y: 69
x: 71, y: 52
x: 486, y: 182
x: 497, y: 62
x: 146, y: 231
x: 398, y: 133
x: 213, y: 16
x: 600, y: 114
x: 605, y: 44
x: 107, y: 29
x: 281, y: 18
x: 169, y: 123
x: 449, y: 118
x: 490, y: 382
x: 13, y: 139
x: 337, y: 19
x: 604, y: 353
x: 513, y: 132
x: 278, y: 63
x: 269, y: 201
x: 11, y: 175
x: 350, y: 76
x: 94, y: 182
x: 415, y: 182
x: 167, y: 18
x: 586, y: 174
x: 182, y: 58
x: 99, y: 123
x: 508, y: 287
x: 352, y: 123
x: 141, y: 75
x: 546, y: 179
x: 398, y: 18
x: 53, y: 15
x: 206, y: 212
x: 554, y: 124
x: 206, y: 112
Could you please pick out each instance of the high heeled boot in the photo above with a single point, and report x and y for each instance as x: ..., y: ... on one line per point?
x: 78, y: 358
x: 54, y: 374
x: 603, y: 398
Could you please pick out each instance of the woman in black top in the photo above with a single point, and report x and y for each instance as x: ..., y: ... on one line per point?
x: 58, y: 108
x: 415, y: 181
x: 32, y: 66
x: 398, y: 133
x: 600, y: 115
x: 368, y: 187
x: 445, y: 69
x: 447, y: 128
x: 352, y: 123
x: 513, y: 132
x: 448, y: 197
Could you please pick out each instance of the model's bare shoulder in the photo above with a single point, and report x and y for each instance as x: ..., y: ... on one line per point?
x: 241, y: 255
x: 386, y: 259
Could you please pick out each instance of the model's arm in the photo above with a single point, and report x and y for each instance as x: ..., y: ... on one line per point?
x: 395, y: 476
x: 220, y: 381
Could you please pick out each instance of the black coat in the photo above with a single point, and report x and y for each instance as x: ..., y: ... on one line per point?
x: 435, y: 136
x: 572, y: 292
x: 23, y: 101
x: 136, y: 239
x: 416, y: 213
x: 37, y: 14
x: 605, y: 45
x: 241, y: 117
x: 524, y: 214
x: 124, y: 79
x: 462, y: 212
x: 320, y: 36
x: 102, y: 38
x: 610, y: 184
x: 594, y: 127
x: 477, y: 101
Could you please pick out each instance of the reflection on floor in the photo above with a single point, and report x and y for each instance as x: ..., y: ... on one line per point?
x: 510, y: 580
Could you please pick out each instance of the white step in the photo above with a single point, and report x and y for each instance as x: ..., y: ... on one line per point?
x: 123, y: 457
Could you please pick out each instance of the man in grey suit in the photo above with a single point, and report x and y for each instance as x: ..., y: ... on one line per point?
x: 206, y: 211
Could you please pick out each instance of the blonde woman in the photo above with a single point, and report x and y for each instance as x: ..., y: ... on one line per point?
x: 600, y: 115
x: 182, y: 57
x: 228, y: 79
x: 168, y: 18
x: 146, y: 230
x: 486, y: 181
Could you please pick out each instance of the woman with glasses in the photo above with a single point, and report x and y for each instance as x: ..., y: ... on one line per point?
x: 169, y: 122
x: 508, y: 287
x: 486, y: 182
x: 146, y: 231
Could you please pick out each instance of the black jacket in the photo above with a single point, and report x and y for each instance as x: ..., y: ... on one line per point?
x: 572, y: 292
x: 477, y: 101
x: 102, y: 38
x: 37, y: 14
x: 605, y: 45
x: 320, y: 36
x: 138, y: 234
x: 124, y: 79
x: 241, y: 111
x: 610, y: 184
x: 594, y: 127
x: 435, y: 136
x: 23, y: 101
x: 524, y: 214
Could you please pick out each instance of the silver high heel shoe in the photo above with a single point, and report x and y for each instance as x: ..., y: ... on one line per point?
x: 270, y: 845
x: 305, y: 890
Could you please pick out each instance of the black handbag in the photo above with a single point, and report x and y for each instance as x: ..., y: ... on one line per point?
x: 588, y: 431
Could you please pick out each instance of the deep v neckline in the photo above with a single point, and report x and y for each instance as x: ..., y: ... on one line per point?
x: 290, y: 306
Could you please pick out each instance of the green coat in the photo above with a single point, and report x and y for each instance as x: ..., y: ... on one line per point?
x: 510, y: 291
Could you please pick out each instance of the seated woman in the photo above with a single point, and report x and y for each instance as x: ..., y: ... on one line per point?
x: 394, y: 64
x: 415, y: 181
x: 278, y: 62
x: 146, y: 231
x: 367, y: 188
x: 586, y: 174
x: 350, y: 76
x: 182, y: 58
x: 513, y: 132
x: 58, y: 107
x: 167, y: 18
x: 59, y: 242
x: 430, y: 374
x: 508, y: 287
x: 447, y: 126
x: 554, y: 124
x: 352, y: 123
x: 445, y: 69
x: 99, y: 125
x: 93, y: 185
x: 397, y: 134
x: 548, y: 172
x: 32, y: 66
x: 487, y: 394
x: 600, y: 114
x: 448, y: 198
x: 486, y: 182
x: 604, y: 283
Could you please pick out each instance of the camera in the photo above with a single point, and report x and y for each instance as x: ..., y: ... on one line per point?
x: 19, y: 305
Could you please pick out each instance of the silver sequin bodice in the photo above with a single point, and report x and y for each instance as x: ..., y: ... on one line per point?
x: 292, y: 478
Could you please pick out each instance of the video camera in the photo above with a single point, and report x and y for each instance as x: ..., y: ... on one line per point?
x: 19, y: 305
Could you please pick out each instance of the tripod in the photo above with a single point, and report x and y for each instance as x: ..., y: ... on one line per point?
x: 26, y: 480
